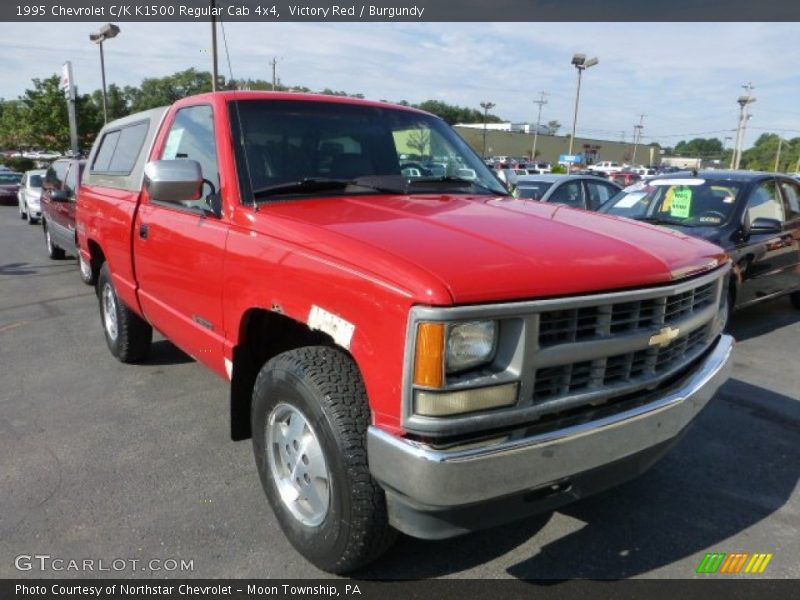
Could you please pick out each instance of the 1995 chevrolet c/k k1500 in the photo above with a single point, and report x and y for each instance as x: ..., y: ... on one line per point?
x: 408, y: 349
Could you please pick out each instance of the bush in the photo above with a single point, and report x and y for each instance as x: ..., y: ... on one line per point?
x: 18, y: 163
x: 559, y: 170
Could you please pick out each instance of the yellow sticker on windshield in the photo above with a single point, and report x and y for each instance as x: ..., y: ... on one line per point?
x: 681, y: 203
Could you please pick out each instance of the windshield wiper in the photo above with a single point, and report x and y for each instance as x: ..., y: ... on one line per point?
x: 447, y: 179
x: 314, y: 184
x: 665, y: 221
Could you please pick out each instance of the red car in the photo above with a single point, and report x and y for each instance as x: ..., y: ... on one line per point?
x: 58, y: 203
x: 416, y: 353
x: 9, y: 186
x: 625, y: 178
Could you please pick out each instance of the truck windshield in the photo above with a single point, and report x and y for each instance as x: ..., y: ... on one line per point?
x: 296, y: 148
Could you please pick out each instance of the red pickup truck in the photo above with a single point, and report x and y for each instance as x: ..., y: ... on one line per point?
x: 407, y: 352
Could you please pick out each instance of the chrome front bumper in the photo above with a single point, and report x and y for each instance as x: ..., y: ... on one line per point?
x: 433, y: 479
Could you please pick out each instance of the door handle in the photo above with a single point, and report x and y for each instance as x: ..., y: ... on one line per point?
x: 144, y: 229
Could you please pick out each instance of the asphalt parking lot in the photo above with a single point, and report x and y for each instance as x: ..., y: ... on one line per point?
x: 100, y: 460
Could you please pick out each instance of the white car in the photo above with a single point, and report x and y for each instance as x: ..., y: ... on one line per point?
x: 30, y: 190
x: 606, y: 166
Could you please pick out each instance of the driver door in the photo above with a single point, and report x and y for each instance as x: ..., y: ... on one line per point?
x: 179, y: 247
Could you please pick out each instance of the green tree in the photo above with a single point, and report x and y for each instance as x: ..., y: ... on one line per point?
x: 705, y: 148
x: 46, y: 114
x: 553, y: 127
x: 456, y: 114
x: 162, y: 91
x: 116, y: 102
x: 761, y: 156
x: 14, y: 130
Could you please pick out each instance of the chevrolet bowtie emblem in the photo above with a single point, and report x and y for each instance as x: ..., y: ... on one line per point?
x: 664, y: 337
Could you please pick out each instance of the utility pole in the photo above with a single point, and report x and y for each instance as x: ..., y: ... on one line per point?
x: 541, y: 102
x: 637, y: 133
x: 778, y: 154
x: 274, y: 63
x: 744, y: 102
x: 214, y: 56
x: 486, y: 106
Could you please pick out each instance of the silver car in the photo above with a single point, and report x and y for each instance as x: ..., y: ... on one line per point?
x: 30, y: 190
x: 579, y: 191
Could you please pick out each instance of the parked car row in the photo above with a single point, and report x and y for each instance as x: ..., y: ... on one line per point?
x: 754, y: 216
x: 49, y: 196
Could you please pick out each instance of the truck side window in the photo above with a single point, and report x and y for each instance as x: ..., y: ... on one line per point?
x: 192, y: 137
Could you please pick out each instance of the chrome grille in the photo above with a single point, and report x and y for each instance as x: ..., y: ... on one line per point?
x: 620, y: 369
x: 587, y: 323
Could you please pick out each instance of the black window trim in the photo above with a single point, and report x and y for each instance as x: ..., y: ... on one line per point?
x: 120, y: 129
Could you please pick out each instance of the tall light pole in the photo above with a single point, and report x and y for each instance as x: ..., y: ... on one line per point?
x: 744, y: 102
x: 637, y: 134
x: 541, y: 102
x: 580, y: 62
x: 486, y: 106
x: 214, y: 55
x: 106, y: 32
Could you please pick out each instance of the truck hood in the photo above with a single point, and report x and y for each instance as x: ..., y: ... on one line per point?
x: 483, y: 248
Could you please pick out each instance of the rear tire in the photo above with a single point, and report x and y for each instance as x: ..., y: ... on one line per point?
x: 128, y: 335
x: 53, y: 251
x: 309, y: 420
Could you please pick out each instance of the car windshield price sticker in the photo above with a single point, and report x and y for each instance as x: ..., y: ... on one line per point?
x: 681, y: 203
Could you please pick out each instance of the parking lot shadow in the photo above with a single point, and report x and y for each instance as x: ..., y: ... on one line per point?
x: 164, y: 352
x: 16, y: 269
x: 737, y: 465
x: 761, y: 319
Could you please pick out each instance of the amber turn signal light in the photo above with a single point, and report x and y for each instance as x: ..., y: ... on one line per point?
x: 429, y: 360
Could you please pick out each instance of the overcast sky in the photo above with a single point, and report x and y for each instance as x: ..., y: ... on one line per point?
x: 684, y: 77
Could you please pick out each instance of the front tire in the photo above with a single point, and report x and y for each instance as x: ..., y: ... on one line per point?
x: 53, y: 251
x: 310, y: 416
x: 128, y: 335
x: 22, y: 214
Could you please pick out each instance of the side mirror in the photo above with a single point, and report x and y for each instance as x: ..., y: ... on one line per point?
x: 174, y: 180
x: 766, y: 225
x: 747, y: 227
x: 59, y: 196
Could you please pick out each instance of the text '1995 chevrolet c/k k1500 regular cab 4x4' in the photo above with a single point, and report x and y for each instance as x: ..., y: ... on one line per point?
x: 408, y: 351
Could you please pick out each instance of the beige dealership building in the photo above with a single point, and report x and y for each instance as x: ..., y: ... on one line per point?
x: 550, y: 147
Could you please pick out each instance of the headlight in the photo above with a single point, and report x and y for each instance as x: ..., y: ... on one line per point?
x: 469, y: 345
x: 451, y: 348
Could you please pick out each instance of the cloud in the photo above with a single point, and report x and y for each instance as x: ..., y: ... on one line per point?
x: 685, y: 77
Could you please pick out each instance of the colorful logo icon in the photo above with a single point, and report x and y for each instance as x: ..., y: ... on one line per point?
x: 734, y: 563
